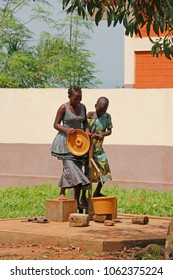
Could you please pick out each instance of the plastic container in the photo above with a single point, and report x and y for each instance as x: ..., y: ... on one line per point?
x: 104, y: 205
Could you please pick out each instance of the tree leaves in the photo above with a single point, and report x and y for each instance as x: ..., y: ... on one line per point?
x: 98, y: 16
x: 162, y: 46
x: 156, y: 15
x: 56, y: 61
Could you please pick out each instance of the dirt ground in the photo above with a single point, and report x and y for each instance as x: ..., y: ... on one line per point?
x: 35, y: 252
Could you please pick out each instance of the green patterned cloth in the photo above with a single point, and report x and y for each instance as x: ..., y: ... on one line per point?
x: 97, y: 126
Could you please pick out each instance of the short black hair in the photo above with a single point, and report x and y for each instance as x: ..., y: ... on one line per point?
x: 72, y: 89
x: 103, y: 100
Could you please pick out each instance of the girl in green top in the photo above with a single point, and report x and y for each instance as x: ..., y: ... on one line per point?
x: 100, y: 125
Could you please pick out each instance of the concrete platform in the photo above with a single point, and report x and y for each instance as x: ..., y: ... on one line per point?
x: 94, y: 238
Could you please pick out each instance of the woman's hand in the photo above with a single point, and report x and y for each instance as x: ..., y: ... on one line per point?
x: 70, y: 130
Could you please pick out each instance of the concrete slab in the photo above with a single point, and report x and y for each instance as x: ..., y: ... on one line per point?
x: 94, y: 238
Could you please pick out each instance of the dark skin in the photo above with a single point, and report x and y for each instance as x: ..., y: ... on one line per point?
x: 101, y: 108
x: 74, y: 106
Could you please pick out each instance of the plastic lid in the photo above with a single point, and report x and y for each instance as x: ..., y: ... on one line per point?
x: 78, y: 143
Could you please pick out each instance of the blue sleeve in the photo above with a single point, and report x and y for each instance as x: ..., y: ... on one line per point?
x: 109, y: 122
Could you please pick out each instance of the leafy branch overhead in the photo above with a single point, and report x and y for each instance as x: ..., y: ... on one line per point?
x: 153, y: 15
x: 56, y: 59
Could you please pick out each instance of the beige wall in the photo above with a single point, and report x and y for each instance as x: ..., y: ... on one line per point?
x: 140, y: 149
x: 140, y: 117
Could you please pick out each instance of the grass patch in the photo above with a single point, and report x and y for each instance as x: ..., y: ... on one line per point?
x: 30, y: 201
x: 142, y: 201
x: 25, y: 201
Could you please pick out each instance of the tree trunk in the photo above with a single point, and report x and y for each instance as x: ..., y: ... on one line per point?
x: 169, y: 242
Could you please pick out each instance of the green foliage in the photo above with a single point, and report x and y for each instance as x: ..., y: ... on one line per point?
x: 25, y: 202
x: 67, y: 54
x: 56, y: 61
x: 30, y: 201
x: 141, y: 201
x: 156, y: 14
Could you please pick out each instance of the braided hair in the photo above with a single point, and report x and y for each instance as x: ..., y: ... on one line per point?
x: 72, y: 89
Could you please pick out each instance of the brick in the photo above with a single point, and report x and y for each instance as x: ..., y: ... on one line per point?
x: 59, y: 210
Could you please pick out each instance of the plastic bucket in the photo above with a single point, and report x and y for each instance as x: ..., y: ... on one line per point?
x: 104, y: 205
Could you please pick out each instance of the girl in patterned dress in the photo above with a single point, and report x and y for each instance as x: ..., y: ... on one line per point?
x: 100, y: 125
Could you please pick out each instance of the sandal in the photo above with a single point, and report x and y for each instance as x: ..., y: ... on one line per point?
x: 41, y: 221
x: 98, y: 195
x: 29, y: 220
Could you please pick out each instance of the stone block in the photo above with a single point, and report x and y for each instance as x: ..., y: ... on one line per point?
x: 102, y: 218
x: 99, y: 218
x: 79, y: 220
x: 59, y: 210
x: 109, y: 223
x: 141, y: 220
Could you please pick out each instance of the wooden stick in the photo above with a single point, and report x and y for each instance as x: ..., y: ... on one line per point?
x: 90, y: 169
x: 99, y: 174
x: 90, y: 206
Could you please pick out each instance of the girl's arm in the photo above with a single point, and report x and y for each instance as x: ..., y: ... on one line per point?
x: 102, y: 134
x: 59, y: 117
x: 85, y: 123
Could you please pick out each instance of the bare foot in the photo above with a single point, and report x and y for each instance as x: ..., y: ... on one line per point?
x: 62, y: 197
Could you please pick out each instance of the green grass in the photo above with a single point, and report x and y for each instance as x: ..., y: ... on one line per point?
x: 30, y: 201
x: 142, y: 201
x: 25, y: 201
